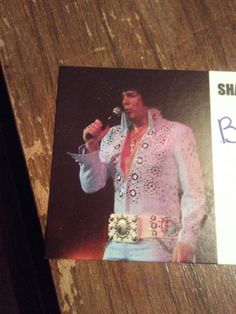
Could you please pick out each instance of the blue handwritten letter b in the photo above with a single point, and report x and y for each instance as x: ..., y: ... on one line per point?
x: 224, y: 128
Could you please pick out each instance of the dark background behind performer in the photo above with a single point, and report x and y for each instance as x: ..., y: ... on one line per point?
x: 77, y: 222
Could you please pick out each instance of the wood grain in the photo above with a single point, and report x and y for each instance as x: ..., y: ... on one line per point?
x: 37, y: 36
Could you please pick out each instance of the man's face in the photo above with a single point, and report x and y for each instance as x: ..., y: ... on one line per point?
x: 133, y: 104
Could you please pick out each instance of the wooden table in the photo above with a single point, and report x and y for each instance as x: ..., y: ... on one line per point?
x: 38, y: 36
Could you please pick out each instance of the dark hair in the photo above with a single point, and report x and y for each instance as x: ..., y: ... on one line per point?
x: 145, y: 96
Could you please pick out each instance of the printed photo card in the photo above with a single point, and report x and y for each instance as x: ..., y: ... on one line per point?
x: 143, y: 166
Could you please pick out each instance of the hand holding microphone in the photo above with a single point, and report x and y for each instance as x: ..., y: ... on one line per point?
x: 93, y: 133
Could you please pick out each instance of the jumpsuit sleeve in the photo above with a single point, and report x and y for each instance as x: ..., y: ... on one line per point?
x: 191, y: 181
x: 93, y: 172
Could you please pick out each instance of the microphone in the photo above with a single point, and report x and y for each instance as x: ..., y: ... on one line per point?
x: 116, y: 113
x: 109, y: 121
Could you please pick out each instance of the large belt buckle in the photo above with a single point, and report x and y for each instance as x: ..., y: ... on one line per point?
x: 165, y: 227
x: 123, y: 228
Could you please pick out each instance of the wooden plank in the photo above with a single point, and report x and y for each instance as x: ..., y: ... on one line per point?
x: 26, y: 283
x: 37, y: 36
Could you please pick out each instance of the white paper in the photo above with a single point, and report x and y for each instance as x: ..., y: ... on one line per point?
x: 223, y: 124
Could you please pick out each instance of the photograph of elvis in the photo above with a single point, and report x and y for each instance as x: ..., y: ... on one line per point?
x: 159, y: 194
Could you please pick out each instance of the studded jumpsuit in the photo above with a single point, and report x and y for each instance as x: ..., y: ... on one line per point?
x: 164, y: 179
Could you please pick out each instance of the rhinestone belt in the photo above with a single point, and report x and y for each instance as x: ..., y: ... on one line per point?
x: 131, y: 228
